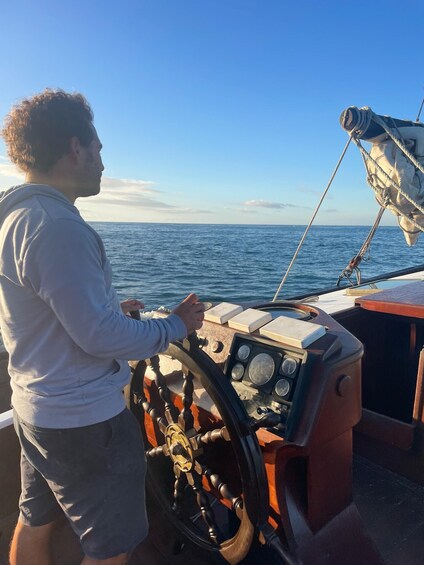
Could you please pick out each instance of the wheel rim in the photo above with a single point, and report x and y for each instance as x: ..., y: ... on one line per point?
x: 201, y: 450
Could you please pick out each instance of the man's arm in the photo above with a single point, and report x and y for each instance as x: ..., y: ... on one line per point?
x: 64, y: 267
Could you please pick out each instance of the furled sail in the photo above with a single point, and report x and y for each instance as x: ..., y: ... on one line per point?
x: 396, y: 164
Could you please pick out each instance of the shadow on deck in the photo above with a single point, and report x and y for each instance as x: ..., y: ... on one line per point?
x: 392, y: 508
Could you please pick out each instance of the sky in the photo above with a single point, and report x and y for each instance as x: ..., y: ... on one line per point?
x: 219, y: 111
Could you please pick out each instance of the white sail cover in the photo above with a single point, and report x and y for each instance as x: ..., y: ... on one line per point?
x: 399, y: 168
x: 364, y: 124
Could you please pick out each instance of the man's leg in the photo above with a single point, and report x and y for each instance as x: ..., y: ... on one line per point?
x: 95, y: 475
x: 39, y: 513
x: 31, y: 545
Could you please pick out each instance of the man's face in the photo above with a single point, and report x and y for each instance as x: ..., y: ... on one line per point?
x: 91, y: 169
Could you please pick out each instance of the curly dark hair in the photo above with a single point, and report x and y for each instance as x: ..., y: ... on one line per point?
x: 37, y: 131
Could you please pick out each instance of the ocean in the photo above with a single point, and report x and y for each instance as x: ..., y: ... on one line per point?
x: 161, y: 263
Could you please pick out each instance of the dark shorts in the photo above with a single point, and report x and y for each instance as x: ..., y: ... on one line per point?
x: 94, y: 474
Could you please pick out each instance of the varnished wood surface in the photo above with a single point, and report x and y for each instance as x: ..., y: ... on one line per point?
x: 404, y: 300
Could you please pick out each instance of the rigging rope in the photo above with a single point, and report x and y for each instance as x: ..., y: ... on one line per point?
x: 399, y: 143
x: 312, y: 219
x: 354, y: 262
x: 419, y: 111
x: 383, y: 191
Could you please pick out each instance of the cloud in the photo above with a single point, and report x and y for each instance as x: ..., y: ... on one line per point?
x: 241, y: 210
x: 116, y: 192
x: 332, y: 211
x: 130, y: 200
x: 129, y: 185
x: 7, y: 169
x: 137, y: 194
x: 304, y: 189
x: 190, y: 211
x: 130, y: 192
x: 267, y: 204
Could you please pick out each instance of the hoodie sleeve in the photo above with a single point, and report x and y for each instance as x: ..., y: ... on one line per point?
x: 66, y: 267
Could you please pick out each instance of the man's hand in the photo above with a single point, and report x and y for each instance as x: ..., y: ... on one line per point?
x: 130, y: 305
x: 191, y: 311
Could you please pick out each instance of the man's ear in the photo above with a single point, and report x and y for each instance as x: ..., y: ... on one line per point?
x: 75, y: 149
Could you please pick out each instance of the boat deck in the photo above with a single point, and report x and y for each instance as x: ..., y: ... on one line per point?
x: 340, y: 300
x: 391, y: 506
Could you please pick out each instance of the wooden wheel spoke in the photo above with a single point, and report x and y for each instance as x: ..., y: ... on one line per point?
x: 141, y: 401
x: 179, y: 486
x: 223, y: 489
x: 213, y: 436
x: 205, y: 508
x: 198, y: 468
x: 144, y: 404
x: 186, y: 418
x: 159, y: 450
x: 171, y: 411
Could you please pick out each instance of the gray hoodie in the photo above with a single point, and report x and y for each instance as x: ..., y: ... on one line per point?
x: 60, y: 317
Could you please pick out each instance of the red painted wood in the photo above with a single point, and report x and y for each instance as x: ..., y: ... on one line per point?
x: 404, y: 300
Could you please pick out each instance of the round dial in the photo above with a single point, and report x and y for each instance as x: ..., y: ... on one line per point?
x: 261, y: 369
x: 282, y: 388
x: 237, y: 372
x: 288, y: 366
x: 243, y: 352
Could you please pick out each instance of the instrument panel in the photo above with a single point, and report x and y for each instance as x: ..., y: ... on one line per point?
x: 267, y: 376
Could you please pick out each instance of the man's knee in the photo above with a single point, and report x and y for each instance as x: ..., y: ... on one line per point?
x: 38, y: 533
x: 31, y: 544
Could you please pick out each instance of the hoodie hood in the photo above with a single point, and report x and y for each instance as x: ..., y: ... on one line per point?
x: 10, y: 199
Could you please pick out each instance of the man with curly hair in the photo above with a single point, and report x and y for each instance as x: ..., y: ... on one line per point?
x: 68, y: 340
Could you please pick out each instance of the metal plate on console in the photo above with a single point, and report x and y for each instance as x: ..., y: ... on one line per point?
x: 277, y: 310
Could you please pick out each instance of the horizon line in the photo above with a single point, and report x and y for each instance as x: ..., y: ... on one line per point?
x: 236, y: 224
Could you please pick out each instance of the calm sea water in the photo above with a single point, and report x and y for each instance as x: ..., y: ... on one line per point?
x: 162, y: 263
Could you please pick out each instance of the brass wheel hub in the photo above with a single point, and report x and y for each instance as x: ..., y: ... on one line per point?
x: 179, y: 448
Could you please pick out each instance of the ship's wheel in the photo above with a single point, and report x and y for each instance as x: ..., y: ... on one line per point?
x: 204, y: 461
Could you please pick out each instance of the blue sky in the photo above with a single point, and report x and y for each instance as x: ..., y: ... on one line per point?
x: 219, y: 111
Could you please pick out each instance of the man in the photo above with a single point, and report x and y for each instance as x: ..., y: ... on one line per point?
x: 68, y: 340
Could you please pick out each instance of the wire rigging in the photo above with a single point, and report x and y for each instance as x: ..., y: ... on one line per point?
x: 324, y: 194
x: 379, y: 181
x: 353, y: 265
x: 419, y: 111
